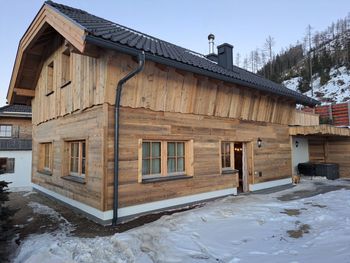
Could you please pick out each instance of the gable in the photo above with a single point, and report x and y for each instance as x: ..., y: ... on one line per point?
x: 46, y: 33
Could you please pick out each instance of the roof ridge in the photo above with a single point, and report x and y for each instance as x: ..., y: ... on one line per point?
x: 122, y: 26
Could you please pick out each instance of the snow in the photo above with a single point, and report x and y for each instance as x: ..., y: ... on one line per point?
x: 249, y: 228
x: 337, y: 89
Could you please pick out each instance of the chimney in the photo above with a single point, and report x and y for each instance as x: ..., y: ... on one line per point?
x: 212, y: 56
x: 225, y: 56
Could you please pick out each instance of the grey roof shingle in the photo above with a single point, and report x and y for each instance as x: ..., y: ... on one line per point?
x: 115, y: 33
x: 15, y: 108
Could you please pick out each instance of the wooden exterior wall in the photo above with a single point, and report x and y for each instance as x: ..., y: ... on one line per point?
x: 89, y: 125
x: 162, y: 88
x: 21, y: 127
x: 330, y: 149
x: 159, y: 103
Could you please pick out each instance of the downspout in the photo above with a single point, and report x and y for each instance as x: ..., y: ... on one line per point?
x: 138, y: 69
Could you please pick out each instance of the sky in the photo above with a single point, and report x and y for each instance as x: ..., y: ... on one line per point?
x: 187, y: 23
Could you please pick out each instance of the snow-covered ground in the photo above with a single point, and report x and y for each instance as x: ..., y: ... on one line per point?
x: 337, y: 89
x: 253, y: 228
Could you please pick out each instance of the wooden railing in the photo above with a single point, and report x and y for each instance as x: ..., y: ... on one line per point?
x: 15, y: 144
x: 303, y: 118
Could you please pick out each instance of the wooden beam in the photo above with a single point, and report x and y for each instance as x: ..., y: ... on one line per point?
x: 25, y: 92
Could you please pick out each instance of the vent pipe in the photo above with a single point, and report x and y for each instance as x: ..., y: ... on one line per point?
x: 211, y: 39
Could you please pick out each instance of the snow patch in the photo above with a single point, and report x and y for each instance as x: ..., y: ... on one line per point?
x: 233, y: 229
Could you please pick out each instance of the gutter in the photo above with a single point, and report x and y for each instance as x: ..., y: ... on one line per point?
x: 186, y: 67
x: 138, y: 69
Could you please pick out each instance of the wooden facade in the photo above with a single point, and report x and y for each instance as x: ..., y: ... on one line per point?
x: 160, y: 103
x: 73, y: 95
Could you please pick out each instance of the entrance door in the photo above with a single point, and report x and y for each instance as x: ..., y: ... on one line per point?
x: 240, y: 157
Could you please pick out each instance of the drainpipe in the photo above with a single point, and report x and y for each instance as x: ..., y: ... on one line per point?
x: 138, y: 69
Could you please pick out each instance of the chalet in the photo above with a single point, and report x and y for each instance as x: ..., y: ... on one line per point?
x: 16, y: 145
x: 125, y: 123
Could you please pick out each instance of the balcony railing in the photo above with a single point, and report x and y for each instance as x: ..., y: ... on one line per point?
x: 15, y: 144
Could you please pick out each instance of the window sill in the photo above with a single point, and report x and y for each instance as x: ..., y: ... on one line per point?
x: 46, y: 172
x: 165, y: 178
x: 229, y: 171
x: 75, y: 179
x: 65, y: 84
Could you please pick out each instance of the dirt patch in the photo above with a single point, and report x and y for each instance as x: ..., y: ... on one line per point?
x: 315, y: 205
x: 291, y: 212
x: 300, y: 231
x: 38, y: 214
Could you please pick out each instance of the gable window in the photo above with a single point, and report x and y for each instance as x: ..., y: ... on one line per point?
x: 161, y: 159
x: 49, y: 78
x: 77, y: 158
x: 7, y: 165
x: 6, y: 131
x: 65, y: 68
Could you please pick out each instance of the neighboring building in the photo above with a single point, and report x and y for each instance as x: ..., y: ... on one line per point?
x: 16, y: 145
x: 191, y: 127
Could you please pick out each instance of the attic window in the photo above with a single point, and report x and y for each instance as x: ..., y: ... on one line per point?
x: 66, y: 71
x: 49, y: 78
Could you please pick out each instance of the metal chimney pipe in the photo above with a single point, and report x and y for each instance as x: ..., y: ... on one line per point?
x: 211, y: 38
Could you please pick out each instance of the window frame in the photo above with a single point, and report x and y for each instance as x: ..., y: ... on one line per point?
x: 66, y: 75
x: 78, y: 174
x: 6, y: 171
x: 7, y: 126
x: 187, y: 155
x: 231, y: 167
x: 50, y: 72
x: 42, y: 157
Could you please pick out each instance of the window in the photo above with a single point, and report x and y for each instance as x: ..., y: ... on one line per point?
x: 66, y: 74
x: 45, y: 158
x: 227, y: 157
x: 77, y: 158
x: 7, y: 165
x: 165, y: 158
x: 176, y: 157
x: 6, y: 131
x: 151, y: 158
x: 49, y: 78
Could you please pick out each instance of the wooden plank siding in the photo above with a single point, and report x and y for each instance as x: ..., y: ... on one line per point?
x: 331, y: 150
x: 89, y: 125
x: 159, y: 103
x: 273, y: 159
x: 166, y: 89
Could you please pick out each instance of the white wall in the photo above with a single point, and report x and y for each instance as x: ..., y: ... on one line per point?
x: 300, y: 154
x: 21, y: 178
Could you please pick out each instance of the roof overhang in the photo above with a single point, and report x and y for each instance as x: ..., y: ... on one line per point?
x: 30, y: 52
x: 319, y: 130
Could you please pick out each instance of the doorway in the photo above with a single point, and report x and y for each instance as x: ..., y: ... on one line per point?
x: 238, y: 155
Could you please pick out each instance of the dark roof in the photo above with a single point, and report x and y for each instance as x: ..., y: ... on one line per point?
x: 117, y: 34
x: 16, y: 109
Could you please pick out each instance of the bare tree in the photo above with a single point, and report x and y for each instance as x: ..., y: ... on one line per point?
x: 269, y: 43
x: 238, y: 59
x: 309, y: 41
x: 245, y: 63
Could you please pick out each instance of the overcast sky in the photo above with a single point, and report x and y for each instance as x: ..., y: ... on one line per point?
x: 245, y: 24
